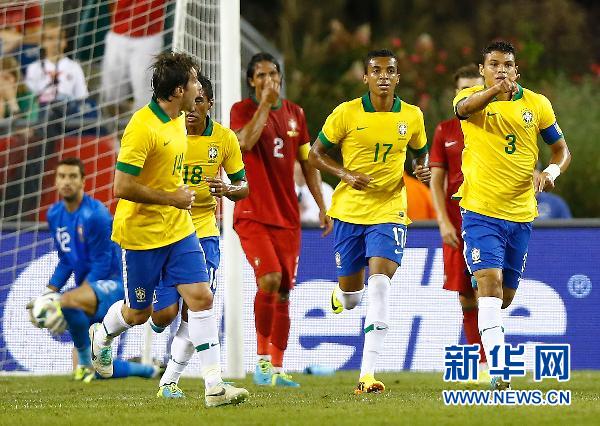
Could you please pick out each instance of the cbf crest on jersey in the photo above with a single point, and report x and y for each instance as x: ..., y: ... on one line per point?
x: 402, y: 128
x: 293, y: 125
x: 213, y: 153
x: 527, y: 117
x: 140, y: 294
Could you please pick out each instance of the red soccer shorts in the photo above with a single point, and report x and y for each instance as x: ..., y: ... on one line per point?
x: 455, y: 270
x: 270, y: 249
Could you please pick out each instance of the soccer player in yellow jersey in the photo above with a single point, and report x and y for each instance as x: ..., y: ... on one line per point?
x: 500, y: 122
x: 210, y: 147
x: 153, y: 226
x: 369, y: 204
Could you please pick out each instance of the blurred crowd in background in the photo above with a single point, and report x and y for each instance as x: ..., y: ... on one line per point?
x: 59, y: 75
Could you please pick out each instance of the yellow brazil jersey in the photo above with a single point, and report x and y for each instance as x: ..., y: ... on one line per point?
x: 152, y: 148
x: 217, y: 146
x: 374, y: 143
x: 500, y: 154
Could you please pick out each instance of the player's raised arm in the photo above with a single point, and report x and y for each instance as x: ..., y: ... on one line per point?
x: 127, y: 187
x: 319, y: 159
x: 265, y: 78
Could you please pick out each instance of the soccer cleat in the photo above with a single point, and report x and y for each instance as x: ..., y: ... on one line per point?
x: 101, y: 355
x: 263, y: 373
x: 84, y: 374
x: 223, y: 394
x: 497, y: 384
x: 336, y: 305
x: 170, y: 391
x: 368, y: 384
x: 283, y: 380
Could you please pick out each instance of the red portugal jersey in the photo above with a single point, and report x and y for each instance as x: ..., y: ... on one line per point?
x: 270, y: 164
x: 446, y: 152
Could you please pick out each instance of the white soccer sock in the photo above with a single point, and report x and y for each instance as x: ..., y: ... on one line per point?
x: 490, y: 327
x: 113, y: 325
x: 182, y: 351
x: 349, y: 299
x: 205, y: 338
x: 376, y: 322
x: 263, y: 358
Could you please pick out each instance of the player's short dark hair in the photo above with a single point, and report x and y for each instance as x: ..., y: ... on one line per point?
x: 255, y: 59
x: 72, y: 161
x: 206, y: 86
x: 171, y: 70
x: 381, y: 53
x: 467, y: 71
x: 498, y: 46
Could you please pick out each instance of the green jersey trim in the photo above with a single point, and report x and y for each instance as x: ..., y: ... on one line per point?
x: 324, y: 140
x: 368, y: 105
x: 128, y: 168
x: 419, y: 151
x: 209, y: 127
x: 237, y: 175
x: 158, y: 111
x: 274, y: 107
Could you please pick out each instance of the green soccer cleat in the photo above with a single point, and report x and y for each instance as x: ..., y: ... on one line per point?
x: 170, y: 391
x: 224, y: 394
x: 283, y: 380
x: 84, y: 374
x: 497, y: 384
x: 101, y: 355
x: 336, y: 305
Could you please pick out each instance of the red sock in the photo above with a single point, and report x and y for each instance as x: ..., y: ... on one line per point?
x: 280, y: 332
x: 263, y: 320
x: 472, y: 331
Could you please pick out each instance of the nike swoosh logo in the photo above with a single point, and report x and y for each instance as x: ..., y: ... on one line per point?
x: 218, y: 394
x: 489, y: 114
x: 213, y: 344
x: 397, y: 251
x: 380, y: 328
x: 449, y: 144
x: 361, y: 128
x: 166, y: 143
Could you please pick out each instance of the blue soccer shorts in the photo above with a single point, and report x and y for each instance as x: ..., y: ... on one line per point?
x: 107, y: 293
x: 354, y: 244
x: 181, y: 262
x: 495, y: 243
x: 165, y: 296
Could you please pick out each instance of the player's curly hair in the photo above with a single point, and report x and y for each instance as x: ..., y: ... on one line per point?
x: 498, y: 46
x: 206, y: 86
x: 171, y: 70
x: 381, y: 53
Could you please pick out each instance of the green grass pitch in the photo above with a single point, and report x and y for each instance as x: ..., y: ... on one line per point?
x: 410, y: 398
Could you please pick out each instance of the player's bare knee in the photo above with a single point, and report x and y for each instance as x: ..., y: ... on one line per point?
x: 136, y: 316
x: 199, y: 297
x: 165, y: 317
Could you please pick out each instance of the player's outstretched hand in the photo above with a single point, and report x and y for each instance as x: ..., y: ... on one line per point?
x: 216, y: 186
x: 183, y: 198
x: 543, y: 182
x: 357, y: 180
x: 325, y: 223
x: 509, y: 85
x: 448, y: 233
x: 423, y: 173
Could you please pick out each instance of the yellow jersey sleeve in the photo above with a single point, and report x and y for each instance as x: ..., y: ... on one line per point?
x: 233, y: 163
x: 138, y: 140
x: 547, y: 117
x: 463, y: 94
x: 303, y: 151
x: 335, y: 128
x: 418, y: 140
